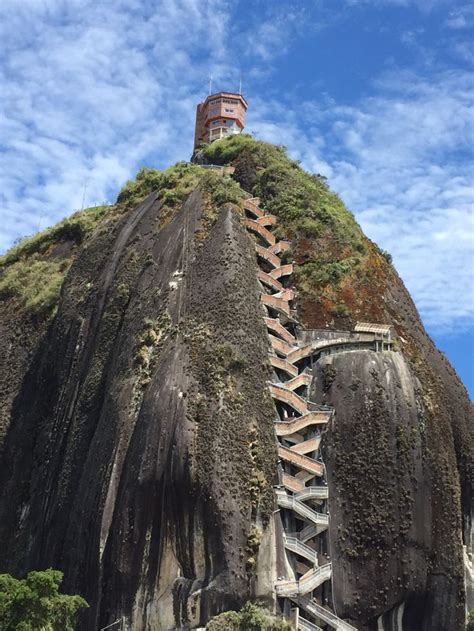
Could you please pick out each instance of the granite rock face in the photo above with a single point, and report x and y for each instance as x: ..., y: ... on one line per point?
x: 138, y: 443
x: 395, y: 518
x: 132, y: 458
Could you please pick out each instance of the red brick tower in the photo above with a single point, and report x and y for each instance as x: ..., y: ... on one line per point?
x: 218, y: 116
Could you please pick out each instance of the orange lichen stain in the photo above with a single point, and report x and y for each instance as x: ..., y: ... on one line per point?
x: 356, y: 296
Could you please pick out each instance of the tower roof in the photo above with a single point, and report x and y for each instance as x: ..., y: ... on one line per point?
x: 233, y: 95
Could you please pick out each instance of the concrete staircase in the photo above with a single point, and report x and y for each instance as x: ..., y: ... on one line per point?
x: 302, y: 493
x: 327, y: 616
x: 297, y: 428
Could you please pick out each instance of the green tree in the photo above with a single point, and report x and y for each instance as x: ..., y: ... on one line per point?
x: 470, y: 621
x: 35, y: 603
x: 250, y: 618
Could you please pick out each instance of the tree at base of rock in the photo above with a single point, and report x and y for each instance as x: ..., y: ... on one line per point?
x: 35, y: 603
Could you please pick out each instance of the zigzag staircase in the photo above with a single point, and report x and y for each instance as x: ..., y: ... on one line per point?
x: 302, y: 494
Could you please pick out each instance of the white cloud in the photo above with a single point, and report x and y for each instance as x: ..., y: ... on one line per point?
x: 461, y: 18
x: 89, y: 94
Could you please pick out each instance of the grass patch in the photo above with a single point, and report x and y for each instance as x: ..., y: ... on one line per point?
x: 174, y: 184
x: 221, y: 188
x: 319, y: 272
x: 32, y: 274
x: 75, y: 228
x: 177, y: 182
x: 35, y: 284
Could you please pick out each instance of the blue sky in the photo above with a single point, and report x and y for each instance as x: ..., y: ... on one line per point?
x: 374, y: 94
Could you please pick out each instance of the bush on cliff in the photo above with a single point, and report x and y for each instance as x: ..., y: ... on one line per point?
x: 249, y: 618
x: 176, y: 182
x: 470, y: 621
x: 173, y: 184
x: 35, y: 603
x: 32, y: 272
x: 34, y: 283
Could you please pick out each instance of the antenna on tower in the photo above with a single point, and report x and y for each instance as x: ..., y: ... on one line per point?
x: 240, y: 85
x: 210, y: 85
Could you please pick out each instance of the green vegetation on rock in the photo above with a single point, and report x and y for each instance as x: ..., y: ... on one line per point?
x: 329, y: 247
x: 175, y: 183
x: 36, y: 604
x: 470, y: 621
x: 36, y: 283
x: 249, y: 618
x: 32, y: 271
x: 74, y: 229
x: 302, y: 201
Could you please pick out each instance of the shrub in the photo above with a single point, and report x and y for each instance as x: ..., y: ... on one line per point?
x: 227, y: 621
x: 173, y: 184
x: 340, y: 311
x: 230, y: 358
x: 34, y: 283
x: 386, y: 255
x: 250, y: 618
x: 222, y: 189
x: 35, y: 603
x: 329, y: 373
x: 470, y: 621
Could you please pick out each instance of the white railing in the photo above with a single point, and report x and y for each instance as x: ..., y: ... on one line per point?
x: 295, y: 545
x: 293, y: 424
x: 314, y: 608
x: 306, y: 625
x: 304, y: 535
x: 307, y: 533
x: 314, y: 578
x: 287, y: 588
x: 287, y: 501
x: 120, y: 621
x: 312, y: 492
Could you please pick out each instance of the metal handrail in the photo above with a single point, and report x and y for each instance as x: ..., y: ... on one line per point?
x: 287, y: 501
x: 318, y: 492
x: 109, y: 626
x: 310, y: 605
x: 306, y: 625
x: 298, y: 547
x: 307, y: 583
x: 316, y: 577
